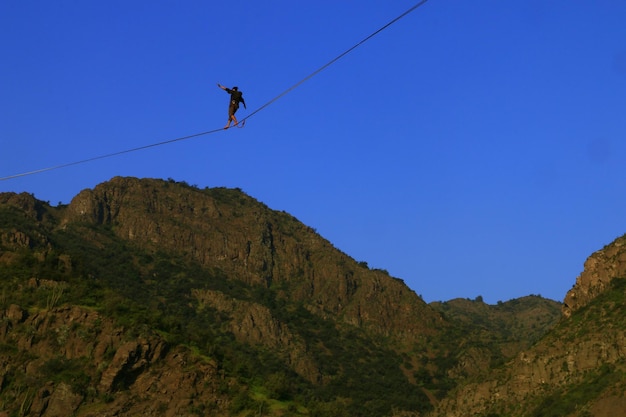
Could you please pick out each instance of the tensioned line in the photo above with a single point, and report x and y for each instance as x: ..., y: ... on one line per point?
x: 293, y: 87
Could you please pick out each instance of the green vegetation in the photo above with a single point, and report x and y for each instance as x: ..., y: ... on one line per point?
x: 69, y: 371
x: 607, y: 308
x: 566, y: 400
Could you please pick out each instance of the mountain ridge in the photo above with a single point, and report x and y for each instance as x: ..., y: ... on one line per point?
x: 145, y: 286
x: 216, y: 271
x: 263, y: 248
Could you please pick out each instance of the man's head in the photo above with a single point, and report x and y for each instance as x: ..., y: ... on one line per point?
x: 235, y: 88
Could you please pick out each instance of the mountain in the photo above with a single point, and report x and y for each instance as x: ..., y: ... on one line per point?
x: 489, y: 335
x: 151, y: 297
x: 576, y: 369
x: 156, y: 298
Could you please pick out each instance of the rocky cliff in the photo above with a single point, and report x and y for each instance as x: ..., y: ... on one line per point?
x: 600, y: 268
x: 227, y: 230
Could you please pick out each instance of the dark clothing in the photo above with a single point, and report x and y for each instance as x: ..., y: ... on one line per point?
x: 236, y: 97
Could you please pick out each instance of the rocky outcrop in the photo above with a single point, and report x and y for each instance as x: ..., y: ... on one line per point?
x: 26, y: 203
x: 233, y: 233
x: 66, y: 350
x: 130, y: 360
x: 600, y: 268
x: 254, y: 324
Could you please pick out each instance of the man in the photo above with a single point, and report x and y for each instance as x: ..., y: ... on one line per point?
x: 236, y: 97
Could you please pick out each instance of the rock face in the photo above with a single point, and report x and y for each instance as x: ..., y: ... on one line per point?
x: 227, y: 230
x: 600, y: 268
x: 124, y: 366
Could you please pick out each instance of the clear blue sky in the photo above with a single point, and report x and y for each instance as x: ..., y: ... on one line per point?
x: 472, y: 148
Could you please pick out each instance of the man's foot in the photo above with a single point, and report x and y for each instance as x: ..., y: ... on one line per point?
x: 226, y: 127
